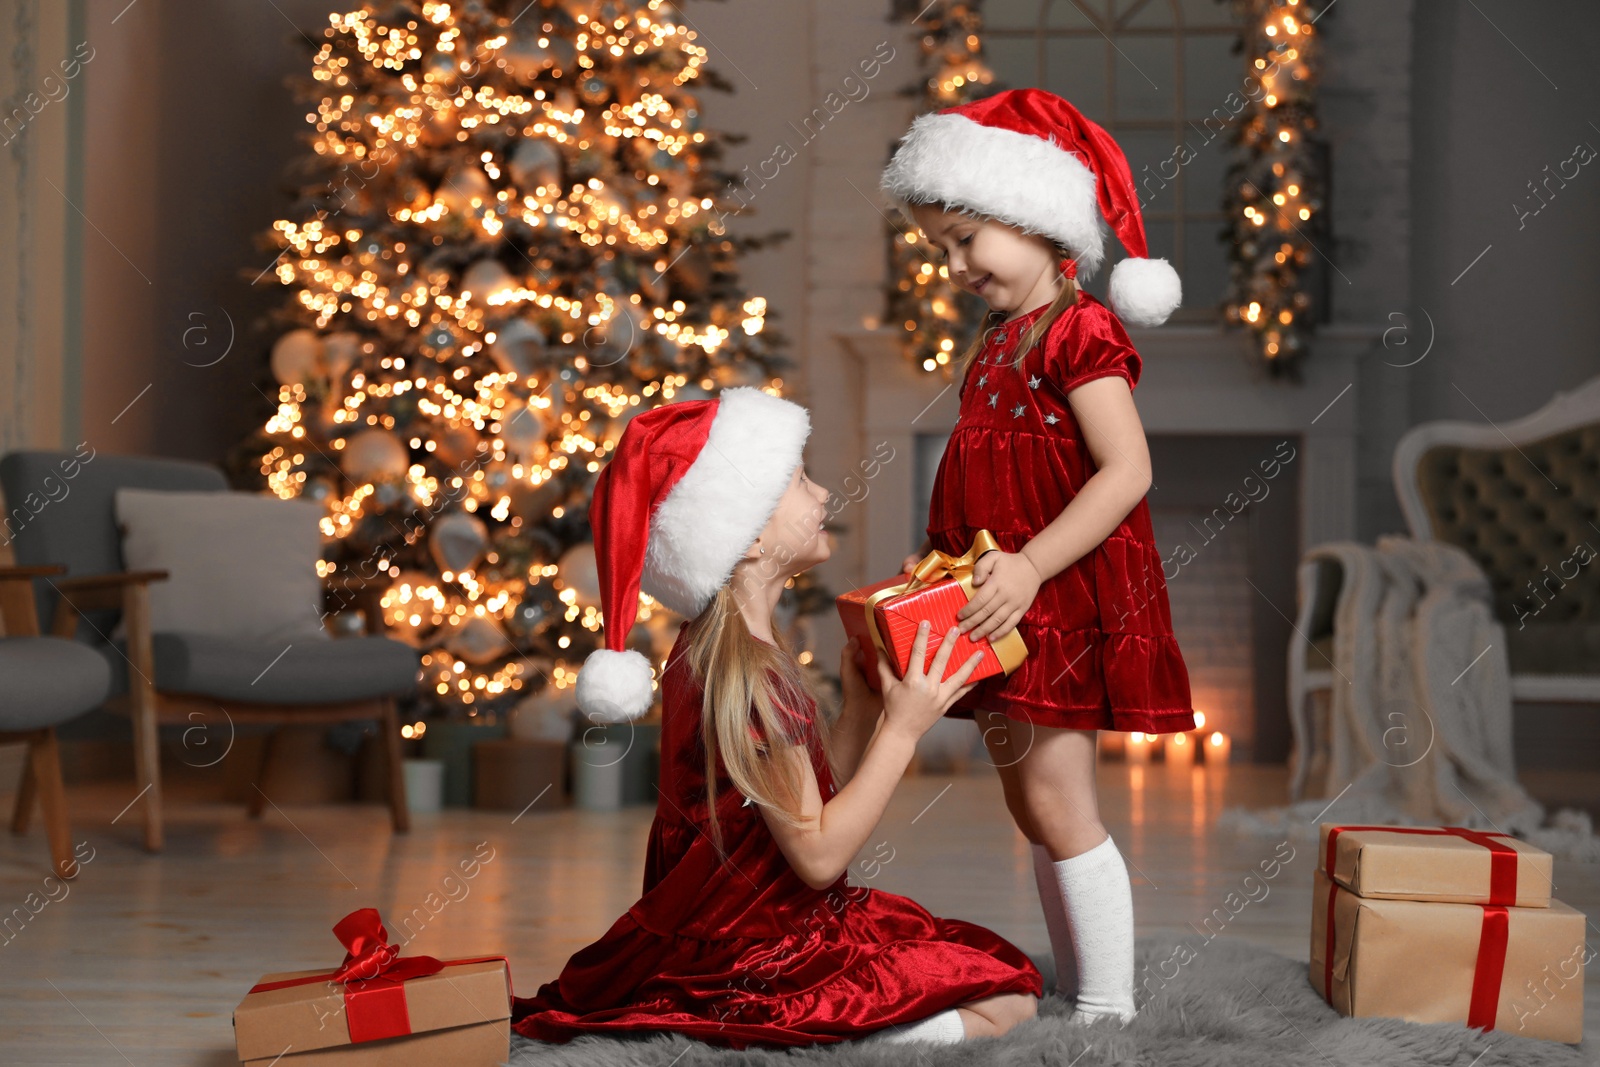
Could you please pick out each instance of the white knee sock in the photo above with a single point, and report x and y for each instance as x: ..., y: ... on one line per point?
x: 1098, y: 899
x: 1055, y: 920
x: 945, y: 1028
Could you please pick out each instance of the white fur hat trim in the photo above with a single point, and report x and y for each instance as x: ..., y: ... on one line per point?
x: 721, y: 504
x: 1018, y: 178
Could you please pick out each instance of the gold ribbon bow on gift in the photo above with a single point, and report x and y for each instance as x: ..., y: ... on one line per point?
x: 935, y: 567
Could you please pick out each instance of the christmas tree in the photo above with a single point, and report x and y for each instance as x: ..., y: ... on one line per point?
x: 1275, y: 190
x: 508, y: 240
x: 937, y: 319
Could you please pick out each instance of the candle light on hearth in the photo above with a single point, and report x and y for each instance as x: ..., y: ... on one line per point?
x: 1113, y: 743
x: 1219, y: 748
x: 1139, y: 747
x: 1195, y: 740
x: 1179, y: 750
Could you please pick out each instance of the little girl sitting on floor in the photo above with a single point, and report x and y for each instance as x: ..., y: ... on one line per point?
x: 748, y: 932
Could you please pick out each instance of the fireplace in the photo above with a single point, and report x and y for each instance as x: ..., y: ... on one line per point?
x: 1248, y: 472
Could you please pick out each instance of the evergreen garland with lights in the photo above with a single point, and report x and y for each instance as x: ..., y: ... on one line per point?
x: 508, y: 241
x: 935, y: 318
x: 1274, y: 194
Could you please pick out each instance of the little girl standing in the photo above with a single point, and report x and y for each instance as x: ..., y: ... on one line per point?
x: 1048, y: 454
x: 747, y: 932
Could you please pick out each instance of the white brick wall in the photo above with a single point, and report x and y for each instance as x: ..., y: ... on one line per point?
x: 1211, y: 616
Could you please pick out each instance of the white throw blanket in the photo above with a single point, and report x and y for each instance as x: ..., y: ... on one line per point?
x: 1419, y: 728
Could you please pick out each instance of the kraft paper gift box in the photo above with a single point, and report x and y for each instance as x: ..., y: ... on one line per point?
x: 379, y: 1008
x: 1440, y: 863
x: 1493, y: 967
x: 883, y: 617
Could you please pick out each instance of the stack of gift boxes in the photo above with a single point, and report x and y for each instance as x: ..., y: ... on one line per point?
x: 1443, y: 924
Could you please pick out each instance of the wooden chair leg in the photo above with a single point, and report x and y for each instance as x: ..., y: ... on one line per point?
x: 147, y: 766
x: 258, y: 796
x: 389, y: 726
x: 45, y: 759
x: 25, y: 794
x: 142, y: 693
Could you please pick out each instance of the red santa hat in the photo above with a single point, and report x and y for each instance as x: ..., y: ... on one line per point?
x: 687, y: 492
x: 1030, y: 159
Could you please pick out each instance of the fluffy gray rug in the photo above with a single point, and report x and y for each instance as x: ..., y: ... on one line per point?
x: 1233, y: 1005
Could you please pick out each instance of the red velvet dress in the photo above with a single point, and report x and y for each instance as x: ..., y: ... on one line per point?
x: 748, y: 954
x: 1101, y: 654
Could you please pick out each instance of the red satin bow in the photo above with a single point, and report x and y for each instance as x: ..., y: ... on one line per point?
x: 369, y: 955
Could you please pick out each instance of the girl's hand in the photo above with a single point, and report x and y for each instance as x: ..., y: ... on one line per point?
x: 1006, y: 584
x: 911, y: 561
x: 858, y: 696
x: 920, y: 699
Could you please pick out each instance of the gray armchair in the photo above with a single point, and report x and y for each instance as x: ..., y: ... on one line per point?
x: 48, y: 681
x: 181, y: 678
x: 1522, y: 499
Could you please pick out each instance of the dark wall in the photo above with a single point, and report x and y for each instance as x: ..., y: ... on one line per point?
x: 189, y: 128
x: 1502, y: 91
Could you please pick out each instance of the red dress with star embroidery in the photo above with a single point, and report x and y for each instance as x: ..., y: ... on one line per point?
x: 1101, y: 654
x: 746, y: 953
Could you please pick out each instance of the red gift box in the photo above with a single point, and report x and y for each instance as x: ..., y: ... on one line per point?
x: 883, y: 617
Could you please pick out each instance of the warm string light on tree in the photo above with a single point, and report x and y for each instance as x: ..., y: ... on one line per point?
x: 509, y: 241
x: 1275, y: 192
x: 935, y: 318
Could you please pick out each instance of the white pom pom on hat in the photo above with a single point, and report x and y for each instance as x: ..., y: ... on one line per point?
x: 689, y: 488
x: 1145, y: 291
x: 1030, y: 159
x: 615, y: 686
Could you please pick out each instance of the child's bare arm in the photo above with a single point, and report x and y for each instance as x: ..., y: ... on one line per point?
x: 850, y: 738
x: 828, y: 835
x: 1105, y: 410
x: 859, y: 716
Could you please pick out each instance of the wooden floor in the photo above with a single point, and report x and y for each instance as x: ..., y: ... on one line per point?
x: 143, y: 959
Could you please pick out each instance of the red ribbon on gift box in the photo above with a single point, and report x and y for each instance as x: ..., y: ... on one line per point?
x: 1492, y: 938
x: 372, y: 975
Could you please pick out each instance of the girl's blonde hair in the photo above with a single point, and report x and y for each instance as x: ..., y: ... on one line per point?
x: 740, y: 672
x: 1041, y: 325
